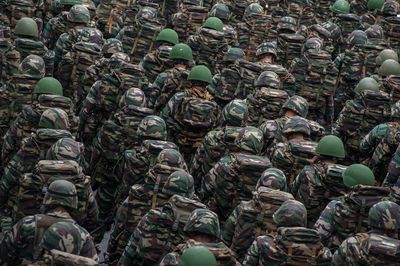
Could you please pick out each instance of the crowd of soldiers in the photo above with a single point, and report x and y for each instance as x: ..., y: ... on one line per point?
x: 199, y: 132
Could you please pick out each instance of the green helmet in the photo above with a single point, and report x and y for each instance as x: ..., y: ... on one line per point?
x: 79, y: 14
x: 291, y: 213
x: 395, y: 110
x: 385, y: 215
x: 232, y: 55
x: 200, y: 73
x: 235, y: 113
x: 66, y: 149
x: 375, y: 4
x: 48, y: 85
x: 272, y: 178
x: 63, y: 236
x: 213, y: 23
x: 250, y: 139
x: 220, y: 11
x: 367, y: 84
x: 296, y: 124
x: 26, y: 27
x: 168, y: 35
x: 152, y: 127
x: 331, y: 146
x: 385, y: 55
x: 296, y: 104
x: 179, y: 183
x: 341, y: 7
x: 32, y: 66
x: 197, y: 256
x: 181, y: 51
x: 61, y: 193
x: 203, y: 222
x: 389, y: 67
x: 358, y: 174
x: 133, y: 96
x: 268, y: 79
x: 54, y: 118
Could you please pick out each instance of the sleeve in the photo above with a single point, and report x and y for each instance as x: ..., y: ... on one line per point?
x: 393, y: 169
x: 230, y: 226
x: 348, y: 253
x: 92, y: 211
x: 252, y: 257
x: 325, y: 223
x: 373, y: 138
x: 88, y: 248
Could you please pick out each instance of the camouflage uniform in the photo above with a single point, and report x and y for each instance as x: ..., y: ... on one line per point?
x: 293, y: 242
x: 348, y: 216
x: 218, y: 141
x: 390, y: 22
x: 53, y: 125
x: 23, y: 242
x: 294, y: 153
x: 251, y: 219
x: 202, y: 222
x: 159, y: 232
x: 142, y: 198
x: 233, y: 178
x: 222, y: 11
x: 378, y: 245
x: 393, y: 169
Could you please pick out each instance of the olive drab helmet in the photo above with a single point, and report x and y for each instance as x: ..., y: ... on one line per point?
x: 61, y: 193
x: 385, y: 215
x: 168, y: 35
x: 375, y: 4
x: 48, y: 85
x: 181, y: 51
x: 340, y: 7
x: 197, y: 256
x: 367, y: 84
x: 331, y: 146
x: 26, y: 27
x: 200, y: 73
x: 358, y: 174
x: 213, y: 23
x: 385, y: 55
x: 389, y: 67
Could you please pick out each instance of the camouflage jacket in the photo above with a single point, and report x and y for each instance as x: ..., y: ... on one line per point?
x: 291, y: 245
x: 366, y: 249
x: 316, y: 185
x: 223, y: 254
x: 224, y: 86
x: 53, y: 29
x: 159, y: 232
x: 22, y: 243
x: 349, y: 215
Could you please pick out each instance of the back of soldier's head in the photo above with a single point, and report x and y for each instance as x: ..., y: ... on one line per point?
x: 385, y: 216
x: 179, y: 183
x: 171, y: 158
x: 61, y: 193
x: 292, y: 213
x: 203, y: 222
x: 54, y: 118
x: 296, y: 104
x: 272, y: 178
x: 235, y: 113
x: 296, y: 125
x: 152, y: 127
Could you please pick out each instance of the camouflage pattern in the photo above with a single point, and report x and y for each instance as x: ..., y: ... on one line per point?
x: 390, y: 22
x: 159, y: 231
x: 348, y: 216
x: 251, y: 219
x: 289, y: 47
x: 54, y: 118
x: 188, y: 18
x: 318, y: 184
x: 358, y: 117
x: 393, y: 169
x: 56, y: 257
x: 23, y: 241
x: 141, y: 199
x: 66, y: 149
x: 54, y: 28
x: 291, y: 213
x: 157, y: 61
x: 273, y: 178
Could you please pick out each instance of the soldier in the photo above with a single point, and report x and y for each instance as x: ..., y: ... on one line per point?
x: 385, y: 55
x: 202, y: 229
x: 301, y: 245
x: 48, y: 93
x: 53, y: 125
x: 390, y: 20
x: 141, y: 199
x: 26, y: 35
x: 222, y: 11
x: 296, y: 151
x: 251, y: 219
x: 220, y: 140
x: 369, y: 107
x: 159, y: 231
x: 192, y: 113
x: 267, y: 99
x: 235, y: 176
x: 208, y: 43
x: 376, y: 246
x: 158, y: 60
x: 173, y: 80
x: 348, y: 215
x: 321, y: 181
x: 23, y: 242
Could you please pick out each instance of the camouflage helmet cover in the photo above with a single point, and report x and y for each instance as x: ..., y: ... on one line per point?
x: 390, y: 8
x: 203, y: 222
x: 79, y: 14
x: 385, y: 215
x: 112, y: 46
x: 296, y: 104
x: 220, y: 11
x: 32, y: 66
x: 375, y: 32
x: 54, y: 118
x: 357, y: 38
x: 152, y: 127
x: 296, y: 124
x: 179, y: 183
x: 287, y: 23
x: 61, y: 193
x: 273, y: 178
x: 254, y: 9
x: 66, y: 149
x: 235, y: 113
x: 171, y: 158
x: 265, y: 48
x: 395, y: 110
x: 250, y: 139
x: 313, y: 43
x: 117, y: 59
x: 291, y: 213
x: 133, y: 96
x: 268, y: 79
x: 63, y: 236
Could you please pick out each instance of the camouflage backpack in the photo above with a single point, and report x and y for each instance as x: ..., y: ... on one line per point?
x: 196, y: 117
x: 249, y: 72
x: 289, y: 47
x: 58, y: 258
x: 378, y: 249
x: 167, y: 225
x: 303, y: 152
x: 287, y: 78
x: 188, y: 20
x: 391, y: 27
x: 33, y: 185
x: 108, y: 12
x: 17, y: 9
x: 297, y: 246
x: 255, y: 218
x: 224, y: 86
x: 5, y: 46
x: 351, y: 214
x: 391, y: 85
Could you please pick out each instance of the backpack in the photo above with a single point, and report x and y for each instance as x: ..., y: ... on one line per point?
x: 255, y: 218
x: 107, y: 13
x: 33, y: 186
x: 249, y: 72
x: 391, y: 27
x: 289, y: 47
x: 224, y: 86
x: 379, y: 249
x: 17, y: 9
x: 391, y: 86
x: 188, y: 20
x: 265, y: 103
x: 351, y: 215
